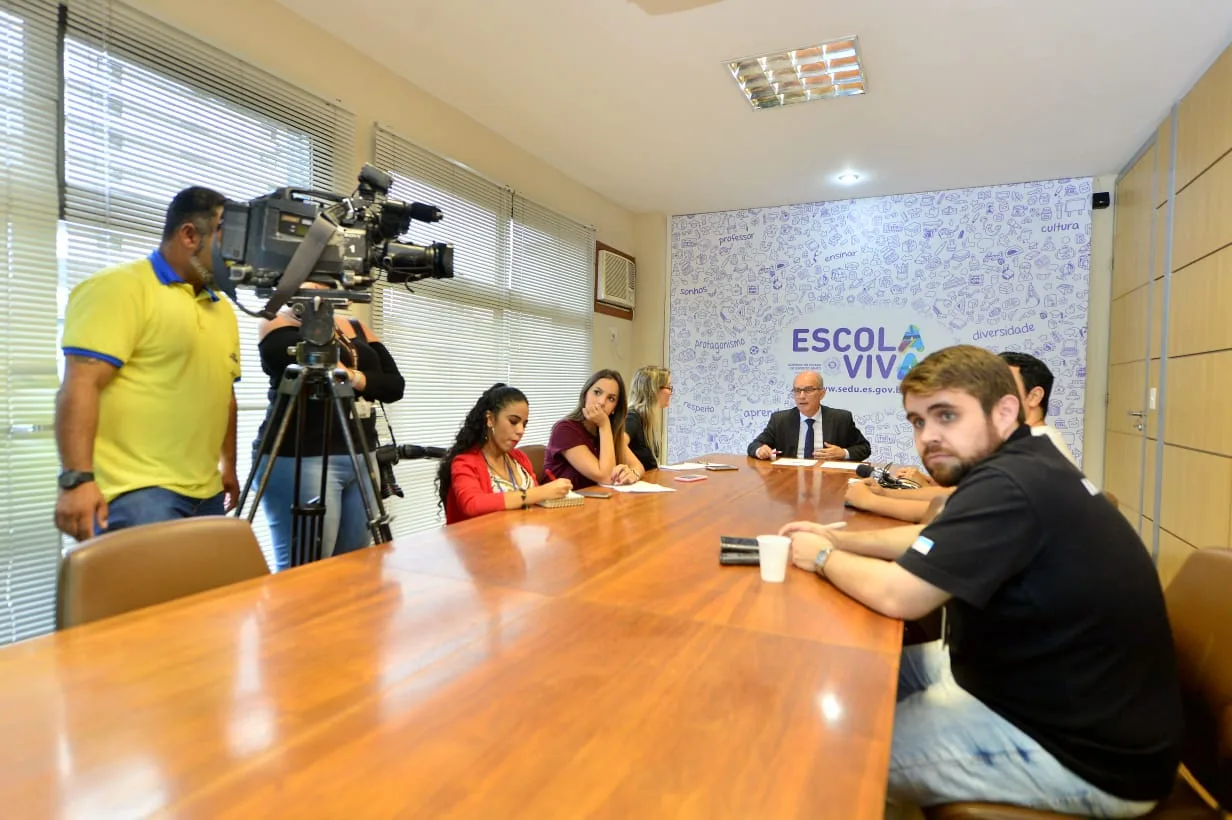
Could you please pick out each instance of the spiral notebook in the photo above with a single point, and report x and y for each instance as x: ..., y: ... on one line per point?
x: 571, y: 500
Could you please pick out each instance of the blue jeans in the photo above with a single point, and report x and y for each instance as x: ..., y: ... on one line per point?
x: 949, y: 748
x: 346, y: 524
x: 150, y: 505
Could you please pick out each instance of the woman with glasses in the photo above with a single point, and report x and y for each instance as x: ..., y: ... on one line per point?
x: 590, y: 445
x: 649, y: 395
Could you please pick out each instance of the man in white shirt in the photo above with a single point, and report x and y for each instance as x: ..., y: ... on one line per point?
x: 1035, y: 389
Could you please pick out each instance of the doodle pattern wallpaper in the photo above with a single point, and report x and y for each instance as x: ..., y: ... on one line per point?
x: 860, y: 290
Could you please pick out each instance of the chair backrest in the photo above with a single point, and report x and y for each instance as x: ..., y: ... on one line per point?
x: 1200, y: 610
x: 535, y: 452
x: 142, y: 566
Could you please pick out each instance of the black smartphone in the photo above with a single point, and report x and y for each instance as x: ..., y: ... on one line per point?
x: 594, y: 493
x: 737, y: 542
x: 739, y: 559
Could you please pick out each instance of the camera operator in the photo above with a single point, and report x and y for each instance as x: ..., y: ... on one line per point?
x: 374, y: 377
x: 145, y: 418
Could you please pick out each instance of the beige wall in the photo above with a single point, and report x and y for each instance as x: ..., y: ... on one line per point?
x: 265, y: 34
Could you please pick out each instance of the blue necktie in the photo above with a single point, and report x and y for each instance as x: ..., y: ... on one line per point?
x: 808, y: 439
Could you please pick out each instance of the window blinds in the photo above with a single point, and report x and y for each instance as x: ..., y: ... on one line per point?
x: 145, y: 111
x: 517, y: 311
x: 149, y: 111
x: 29, y: 543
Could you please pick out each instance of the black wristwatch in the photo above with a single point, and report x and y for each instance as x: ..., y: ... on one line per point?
x: 72, y: 479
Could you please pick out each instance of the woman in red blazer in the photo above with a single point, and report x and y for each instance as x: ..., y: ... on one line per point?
x: 484, y: 471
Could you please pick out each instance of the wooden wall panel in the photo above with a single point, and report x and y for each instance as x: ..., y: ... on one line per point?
x: 1157, y: 316
x: 1172, y: 554
x: 1203, y: 220
x: 1202, y: 306
x: 1159, y: 244
x: 1197, y: 492
x: 1163, y: 151
x: 1124, y: 473
x: 1199, y: 395
x: 1127, y: 337
x: 1132, y: 239
x: 1125, y: 386
x: 1152, y: 413
x: 1204, y: 125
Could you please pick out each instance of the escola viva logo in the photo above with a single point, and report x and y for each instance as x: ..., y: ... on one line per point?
x: 865, y: 351
x: 911, y: 344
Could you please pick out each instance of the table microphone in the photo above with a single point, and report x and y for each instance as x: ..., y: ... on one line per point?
x: 884, y: 478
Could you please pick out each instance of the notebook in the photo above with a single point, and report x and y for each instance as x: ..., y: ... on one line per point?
x: 571, y: 500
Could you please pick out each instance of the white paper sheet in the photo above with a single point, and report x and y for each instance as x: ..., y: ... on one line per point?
x: 841, y: 465
x: 639, y: 487
x: 794, y: 462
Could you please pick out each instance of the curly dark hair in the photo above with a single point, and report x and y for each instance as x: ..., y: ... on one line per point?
x: 474, y: 431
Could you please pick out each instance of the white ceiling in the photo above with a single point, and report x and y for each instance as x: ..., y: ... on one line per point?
x: 639, y: 107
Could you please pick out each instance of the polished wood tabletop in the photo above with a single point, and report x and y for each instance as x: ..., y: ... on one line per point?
x: 591, y: 661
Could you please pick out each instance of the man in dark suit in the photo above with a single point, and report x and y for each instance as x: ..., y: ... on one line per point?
x: 794, y: 433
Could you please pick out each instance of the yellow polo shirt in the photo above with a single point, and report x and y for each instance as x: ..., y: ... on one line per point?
x: 163, y: 416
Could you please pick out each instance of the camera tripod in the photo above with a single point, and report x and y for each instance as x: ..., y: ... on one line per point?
x: 316, y: 376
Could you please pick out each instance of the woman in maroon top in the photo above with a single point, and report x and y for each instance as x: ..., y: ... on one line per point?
x: 484, y: 471
x: 590, y: 445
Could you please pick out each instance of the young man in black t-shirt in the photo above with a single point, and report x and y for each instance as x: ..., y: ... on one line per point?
x: 1058, y: 689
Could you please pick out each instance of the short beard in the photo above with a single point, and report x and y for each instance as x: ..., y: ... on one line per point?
x: 950, y: 474
x: 207, y: 275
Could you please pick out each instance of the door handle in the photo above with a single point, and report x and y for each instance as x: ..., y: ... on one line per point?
x: 1141, y: 416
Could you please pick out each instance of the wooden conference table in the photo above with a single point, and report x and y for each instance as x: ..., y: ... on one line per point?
x: 592, y: 661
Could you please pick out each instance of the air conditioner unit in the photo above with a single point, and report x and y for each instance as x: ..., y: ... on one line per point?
x: 617, y: 279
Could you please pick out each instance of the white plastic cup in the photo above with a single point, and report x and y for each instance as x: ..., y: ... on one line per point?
x: 773, y: 552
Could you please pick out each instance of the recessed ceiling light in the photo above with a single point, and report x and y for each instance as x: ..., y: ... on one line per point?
x: 819, y: 72
x: 848, y: 178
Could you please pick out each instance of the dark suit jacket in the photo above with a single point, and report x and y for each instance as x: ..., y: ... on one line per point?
x: 782, y: 433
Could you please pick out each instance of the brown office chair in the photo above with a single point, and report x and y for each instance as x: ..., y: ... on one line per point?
x: 1201, y: 616
x: 142, y: 566
x: 535, y: 452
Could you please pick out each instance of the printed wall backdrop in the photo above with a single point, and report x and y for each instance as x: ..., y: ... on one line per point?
x: 862, y: 289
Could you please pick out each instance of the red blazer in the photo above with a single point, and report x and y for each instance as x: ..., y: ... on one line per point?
x: 470, y: 491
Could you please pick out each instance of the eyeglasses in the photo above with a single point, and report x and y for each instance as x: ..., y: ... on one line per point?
x: 805, y: 391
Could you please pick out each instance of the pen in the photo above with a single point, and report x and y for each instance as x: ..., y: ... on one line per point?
x: 548, y: 475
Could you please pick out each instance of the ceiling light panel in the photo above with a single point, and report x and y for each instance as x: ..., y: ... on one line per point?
x: 817, y: 72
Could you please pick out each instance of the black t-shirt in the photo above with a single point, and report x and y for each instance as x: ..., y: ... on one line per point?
x: 1057, y: 621
x: 383, y: 383
x: 637, y: 441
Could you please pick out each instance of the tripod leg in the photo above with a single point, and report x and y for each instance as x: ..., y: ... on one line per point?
x: 307, y: 519
x: 378, y: 523
x: 288, y: 391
